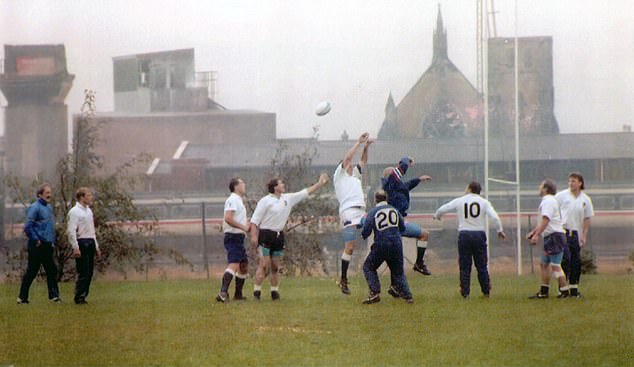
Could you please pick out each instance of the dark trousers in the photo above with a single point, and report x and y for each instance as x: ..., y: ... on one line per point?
x: 40, y: 255
x: 472, y: 248
x: 392, y: 254
x: 571, y: 262
x: 85, y: 266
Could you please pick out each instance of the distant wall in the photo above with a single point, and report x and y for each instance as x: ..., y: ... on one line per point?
x: 124, y: 137
x: 37, y: 137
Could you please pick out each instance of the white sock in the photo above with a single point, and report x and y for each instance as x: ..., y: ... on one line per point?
x: 422, y: 244
x: 275, y: 289
x: 257, y: 287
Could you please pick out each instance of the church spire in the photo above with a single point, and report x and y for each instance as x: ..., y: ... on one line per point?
x: 389, y: 106
x: 440, y: 40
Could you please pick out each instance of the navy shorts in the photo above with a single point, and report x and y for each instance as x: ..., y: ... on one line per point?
x: 234, y: 244
x: 554, y: 243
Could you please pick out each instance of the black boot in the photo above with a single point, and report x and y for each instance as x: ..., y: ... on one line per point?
x: 420, y: 266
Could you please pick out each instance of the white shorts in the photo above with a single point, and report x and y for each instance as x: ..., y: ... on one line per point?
x: 351, y: 216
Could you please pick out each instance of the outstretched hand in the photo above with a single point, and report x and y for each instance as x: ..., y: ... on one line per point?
x: 502, y: 235
x: 323, y: 179
x: 363, y: 138
x: 425, y: 178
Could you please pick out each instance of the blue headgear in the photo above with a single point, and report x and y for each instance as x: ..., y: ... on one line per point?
x: 403, y: 164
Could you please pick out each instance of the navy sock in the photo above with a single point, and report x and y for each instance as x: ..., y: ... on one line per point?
x: 344, y: 268
x: 226, y: 280
x: 420, y: 254
x: 239, y: 285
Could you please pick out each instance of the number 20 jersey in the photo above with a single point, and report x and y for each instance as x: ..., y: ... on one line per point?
x: 386, y: 222
x: 472, y: 211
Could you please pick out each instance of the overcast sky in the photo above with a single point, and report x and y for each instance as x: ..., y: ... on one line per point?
x: 285, y: 56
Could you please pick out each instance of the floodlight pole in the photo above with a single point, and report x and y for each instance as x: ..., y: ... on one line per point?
x: 518, y: 219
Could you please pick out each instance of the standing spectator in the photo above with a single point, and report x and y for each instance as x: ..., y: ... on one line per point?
x: 472, y: 210
x: 397, y: 190
x: 267, y: 229
x: 349, y: 192
x: 81, y: 236
x: 551, y: 228
x: 576, y: 211
x: 387, y: 224
x: 235, y: 226
x: 39, y: 227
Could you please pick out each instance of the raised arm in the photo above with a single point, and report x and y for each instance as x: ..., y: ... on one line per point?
x: 364, y: 154
x: 347, y: 159
x: 323, y: 179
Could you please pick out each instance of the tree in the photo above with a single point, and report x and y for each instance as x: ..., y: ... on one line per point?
x: 124, y: 230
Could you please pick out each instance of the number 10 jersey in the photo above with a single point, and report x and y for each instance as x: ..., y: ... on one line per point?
x: 472, y: 211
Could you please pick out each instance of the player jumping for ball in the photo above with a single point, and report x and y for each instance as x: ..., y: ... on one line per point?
x: 397, y: 190
x: 349, y: 192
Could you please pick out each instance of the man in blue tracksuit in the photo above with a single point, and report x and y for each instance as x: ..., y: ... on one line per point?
x: 397, y: 190
x: 39, y: 227
x: 387, y: 224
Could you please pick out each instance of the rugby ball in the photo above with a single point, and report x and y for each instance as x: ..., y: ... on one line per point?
x: 323, y: 108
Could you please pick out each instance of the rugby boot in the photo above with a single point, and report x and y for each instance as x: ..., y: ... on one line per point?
x: 343, y: 284
x: 222, y: 297
x: 372, y: 298
x: 394, y: 292
x: 422, y: 268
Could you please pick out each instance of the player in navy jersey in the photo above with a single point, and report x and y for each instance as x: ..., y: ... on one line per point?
x: 387, y: 224
x: 472, y: 211
x: 397, y: 190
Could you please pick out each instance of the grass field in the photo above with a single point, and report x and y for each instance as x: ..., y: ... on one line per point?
x: 177, y: 323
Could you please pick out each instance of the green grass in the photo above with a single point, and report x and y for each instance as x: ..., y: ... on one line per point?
x: 177, y: 323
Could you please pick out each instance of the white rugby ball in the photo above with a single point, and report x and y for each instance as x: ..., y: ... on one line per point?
x: 323, y: 108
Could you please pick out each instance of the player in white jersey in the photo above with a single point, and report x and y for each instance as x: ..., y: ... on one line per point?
x: 235, y: 226
x: 576, y: 211
x: 349, y: 192
x: 550, y: 226
x: 267, y: 229
x: 472, y: 211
